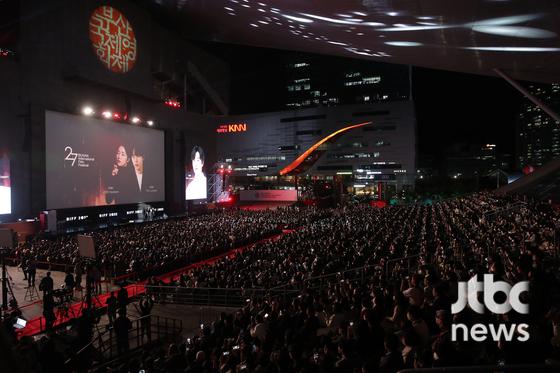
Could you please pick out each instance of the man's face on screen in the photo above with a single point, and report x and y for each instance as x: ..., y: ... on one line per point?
x: 121, y: 157
x: 197, y: 163
x: 138, y: 162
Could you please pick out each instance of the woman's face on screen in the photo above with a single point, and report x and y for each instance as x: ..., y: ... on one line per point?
x: 122, y: 157
x: 197, y: 163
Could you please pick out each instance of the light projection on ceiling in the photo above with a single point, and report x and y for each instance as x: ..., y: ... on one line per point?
x: 462, y: 35
x: 315, y: 27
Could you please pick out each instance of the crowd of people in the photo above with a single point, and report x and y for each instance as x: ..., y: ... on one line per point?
x: 396, y: 314
x: 464, y: 232
x: 160, y: 246
x: 392, y: 318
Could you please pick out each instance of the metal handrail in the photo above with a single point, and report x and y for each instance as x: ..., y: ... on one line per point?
x: 521, y: 368
x: 206, y: 288
x: 162, y: 327
x: 205, y: 296
x: 407, y: 258
x: 327, y: 276
x: 99, y: 338
x: 84, y: 348
x: 216, y: 297
x: 359, y: 271
x: 500, y: 210
x: 61, y: 267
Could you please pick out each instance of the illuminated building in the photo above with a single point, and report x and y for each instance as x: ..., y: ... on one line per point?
x: 262, y: 146
x: 313, y: 80
x: 539, y: 134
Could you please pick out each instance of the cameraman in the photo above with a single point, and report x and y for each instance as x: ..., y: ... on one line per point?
x: 47, y: 284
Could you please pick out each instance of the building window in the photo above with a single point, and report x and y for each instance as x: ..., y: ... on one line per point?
x: 298, y: 65
x: 371, y: 80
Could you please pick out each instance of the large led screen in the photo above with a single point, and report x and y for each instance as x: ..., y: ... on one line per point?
x: 195, y: 177
x: 5, y: 186
x: 93, y: 162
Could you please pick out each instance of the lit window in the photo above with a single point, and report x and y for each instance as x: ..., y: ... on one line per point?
x: 299, y: 64
x: 371, y: 80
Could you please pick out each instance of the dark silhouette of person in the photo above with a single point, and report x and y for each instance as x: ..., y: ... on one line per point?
x: 122, y: 326
x: 84, y: 336
x: 69, y: 284
x: 146, y: 305
x: 111, y: 303
x: 122, y: 299
x: 48, y: 311
x: 47, y: 284
x: 23, y: 266
x: 8, y: 324
x: 31, y: 272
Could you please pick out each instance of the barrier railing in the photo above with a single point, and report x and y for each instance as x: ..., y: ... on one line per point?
x: 501, y: 210
x: 210, y: 297
x: 408, y: 260
x: 353, y: 274
x: 521, y: 368
x: 145, y: 330
x: 60, y: 267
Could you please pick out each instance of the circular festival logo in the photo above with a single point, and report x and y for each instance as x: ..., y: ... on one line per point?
x: 113, y: 39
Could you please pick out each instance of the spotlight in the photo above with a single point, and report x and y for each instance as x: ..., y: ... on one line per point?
x: 135, y: 120
x: 174, y: 103
x: 88, y: 110
x: 107, y: 114
x: 150, y: 122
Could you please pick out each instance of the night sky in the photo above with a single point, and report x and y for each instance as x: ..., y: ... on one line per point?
x: 451, y: 108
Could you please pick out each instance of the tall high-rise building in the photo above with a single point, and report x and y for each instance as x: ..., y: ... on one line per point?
x: 312, y: 81
x: 539, y: 134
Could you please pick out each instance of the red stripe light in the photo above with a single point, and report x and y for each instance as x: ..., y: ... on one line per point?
x: 299, y: 160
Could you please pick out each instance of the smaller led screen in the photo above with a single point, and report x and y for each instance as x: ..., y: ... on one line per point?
x: 195, y: 178
x: 5, y: 186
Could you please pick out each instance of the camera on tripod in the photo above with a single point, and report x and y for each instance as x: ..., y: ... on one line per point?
x: 62, y: 296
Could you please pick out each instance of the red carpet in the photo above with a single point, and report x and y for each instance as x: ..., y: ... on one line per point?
x: 37, y: 325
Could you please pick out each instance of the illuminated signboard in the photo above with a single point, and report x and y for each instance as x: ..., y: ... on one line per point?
x: 231, y: 128
x: 113, y: 39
